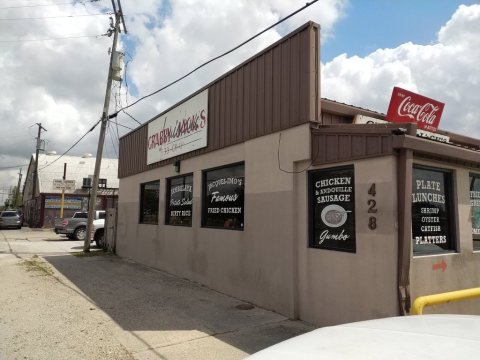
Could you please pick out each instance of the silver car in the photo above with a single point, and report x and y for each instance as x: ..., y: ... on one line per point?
x: 10, y: 219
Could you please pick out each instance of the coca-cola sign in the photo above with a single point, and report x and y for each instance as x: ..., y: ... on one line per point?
x: 406, y: 106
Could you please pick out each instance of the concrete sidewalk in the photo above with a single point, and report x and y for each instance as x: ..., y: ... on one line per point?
x: 105, y: 307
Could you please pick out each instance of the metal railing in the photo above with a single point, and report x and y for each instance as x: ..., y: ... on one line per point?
x: 435, y: 299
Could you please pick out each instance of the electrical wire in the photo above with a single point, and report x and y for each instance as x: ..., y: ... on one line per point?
x: 131, y: 117
x: 287, y: 171
x: 113, y: 142
x: 71, y: 147
x: 59, y: 38
x: 12, y: 167
x: 220, y: 56
x: 52, y: 4
x: 183, y: 77
x: 115, y: 122
x: 54, y: 17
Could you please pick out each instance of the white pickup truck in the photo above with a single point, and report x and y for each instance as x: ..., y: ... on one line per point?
x: 76, y: 227
x: 98, y: 232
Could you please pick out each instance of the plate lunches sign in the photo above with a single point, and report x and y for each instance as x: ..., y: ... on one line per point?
x: 332, y: 210
x: 181, y: 130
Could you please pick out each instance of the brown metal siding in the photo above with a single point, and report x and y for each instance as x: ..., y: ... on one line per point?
x: 275, y: 90
x: 336, y: 143
x: 332, y: 145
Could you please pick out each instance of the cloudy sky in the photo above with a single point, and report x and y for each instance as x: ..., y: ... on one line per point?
x: 54, y: 59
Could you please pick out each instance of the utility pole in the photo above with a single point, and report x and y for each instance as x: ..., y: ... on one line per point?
x: 35, y: 172
x: 62, y: 202
x: 103, y: 128
x: 18, y: 187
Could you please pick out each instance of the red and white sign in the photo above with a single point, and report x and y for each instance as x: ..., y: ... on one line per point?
x: 406, y: 106
x: 181, y: 130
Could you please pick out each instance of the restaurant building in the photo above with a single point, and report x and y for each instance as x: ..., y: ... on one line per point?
x: 42, y: 203
x: 256, y: 187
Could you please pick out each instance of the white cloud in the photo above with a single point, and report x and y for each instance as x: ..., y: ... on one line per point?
x: 62, y: 83
x: 448, y: 71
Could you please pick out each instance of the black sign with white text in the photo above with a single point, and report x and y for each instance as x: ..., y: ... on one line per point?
x: 332, y: 209
x: 224, y: 197
x: 431, y: 211
x: 179, y: 201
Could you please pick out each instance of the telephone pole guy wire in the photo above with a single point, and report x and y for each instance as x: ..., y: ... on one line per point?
x: 104, y: 122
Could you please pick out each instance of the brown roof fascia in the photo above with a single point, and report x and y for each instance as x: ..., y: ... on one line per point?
x: 337, y: 108
x: 436, y: 149
x: 354, y: 129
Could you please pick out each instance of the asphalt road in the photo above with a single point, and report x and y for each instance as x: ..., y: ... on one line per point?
x: 56, y: 303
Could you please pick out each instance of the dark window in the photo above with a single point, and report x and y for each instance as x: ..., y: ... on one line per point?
x: 179, y: 201
x: 149, y: 196
x: 432, y: 211
x: 475, y: 210
x: 332, y: 209
x: 223, y: 197
x: 102, y: 183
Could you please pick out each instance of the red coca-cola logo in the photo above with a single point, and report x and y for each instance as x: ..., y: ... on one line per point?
x: 406, y: 106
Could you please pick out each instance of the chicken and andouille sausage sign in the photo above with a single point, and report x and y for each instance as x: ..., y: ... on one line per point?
x: 332, y: 210
x: 181, y: 130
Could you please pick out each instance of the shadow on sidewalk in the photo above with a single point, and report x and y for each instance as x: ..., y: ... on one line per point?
x: 139, y: 298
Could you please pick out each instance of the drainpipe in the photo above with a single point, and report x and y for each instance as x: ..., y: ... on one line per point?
x: 404, y: 191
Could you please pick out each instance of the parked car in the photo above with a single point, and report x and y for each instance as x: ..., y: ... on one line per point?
x: 98, y: 232
x: 76, y: 227
x: 438, y: 337
x: 10, y: 219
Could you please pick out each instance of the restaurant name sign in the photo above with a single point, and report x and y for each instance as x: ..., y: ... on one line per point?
x: 181, y: 130
x: 406, y: 106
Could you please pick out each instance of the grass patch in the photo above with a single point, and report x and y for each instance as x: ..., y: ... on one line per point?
x: 81, y: 254
x: 36, y: 265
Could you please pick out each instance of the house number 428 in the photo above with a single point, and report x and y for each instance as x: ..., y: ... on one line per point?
x: 372, y: 207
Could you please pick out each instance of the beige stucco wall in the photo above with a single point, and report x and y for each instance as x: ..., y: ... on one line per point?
x: 270, y: 264
x: 337, y: 287
x: 254, y: 264
x: 462, y: 271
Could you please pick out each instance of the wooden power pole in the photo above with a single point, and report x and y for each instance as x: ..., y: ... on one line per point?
x: 103, y: 128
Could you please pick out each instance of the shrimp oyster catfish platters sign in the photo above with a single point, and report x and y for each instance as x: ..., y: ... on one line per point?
x: 332, y: 209
x: 180, y: 130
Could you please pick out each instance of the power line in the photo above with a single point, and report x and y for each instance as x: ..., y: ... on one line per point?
x: 71, y: 147
x: 221, y: 55
x: 116, y: 123
x: 52, y: 4
x: 12, y: 167
x: 131, y: 117
x: 58, y: 38
x: 53, y: 17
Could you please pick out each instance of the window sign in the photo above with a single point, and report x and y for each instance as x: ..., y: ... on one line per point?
x: 475, y: 208
x: 179, y: 201
x: 432, y: 223
x: 332, y: 209
x: 149, y: 197
x: 224, y: 197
